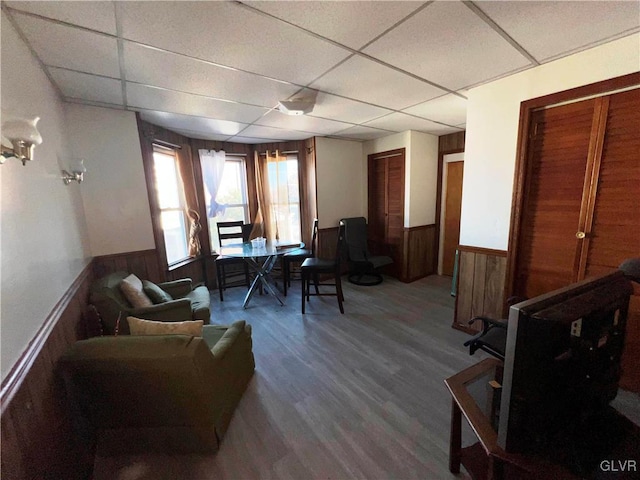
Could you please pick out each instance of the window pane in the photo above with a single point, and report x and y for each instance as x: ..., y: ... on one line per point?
x: 175, y: 235
x: 167, y: 180
x: 285, y: 197
x: 232, y: 214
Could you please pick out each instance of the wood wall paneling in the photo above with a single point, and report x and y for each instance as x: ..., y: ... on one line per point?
x: 38, y: 438
x: 144, y: 264
x: 418, y: 253
x: 480, y: 287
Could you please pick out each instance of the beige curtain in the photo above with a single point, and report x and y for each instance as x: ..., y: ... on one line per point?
x: 263, y: 221
x: 185, y: 166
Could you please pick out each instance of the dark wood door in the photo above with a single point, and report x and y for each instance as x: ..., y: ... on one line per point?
x: 453, y: 207
x: 558, y: 152
x: 386, y: 206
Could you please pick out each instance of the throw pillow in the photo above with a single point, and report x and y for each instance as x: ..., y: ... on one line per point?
x: 155, y: 293
x: 132, y: 289
x: 139, y: 326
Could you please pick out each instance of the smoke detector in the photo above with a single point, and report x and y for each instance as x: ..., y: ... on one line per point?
x: 296, y: 107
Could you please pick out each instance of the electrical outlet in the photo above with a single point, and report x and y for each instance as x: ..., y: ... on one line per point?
x: 576, y: 327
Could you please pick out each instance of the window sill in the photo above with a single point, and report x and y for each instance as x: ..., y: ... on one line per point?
x: 182, y: 263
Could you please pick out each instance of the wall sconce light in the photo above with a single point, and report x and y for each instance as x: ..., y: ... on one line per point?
x: 23, y: 137
x: 76, y: 174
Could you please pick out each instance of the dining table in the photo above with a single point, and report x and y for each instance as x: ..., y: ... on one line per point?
x: 261, y: 259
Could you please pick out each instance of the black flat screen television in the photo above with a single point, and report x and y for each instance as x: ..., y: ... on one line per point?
x: 562, y: 368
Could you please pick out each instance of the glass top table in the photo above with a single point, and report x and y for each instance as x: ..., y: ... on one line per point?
x: 261, y: 261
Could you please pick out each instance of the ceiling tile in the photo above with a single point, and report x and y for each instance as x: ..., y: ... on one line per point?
x: 229, y: 34
x: 219, y: 128
x: 94, y: 15
x: 270, y: 133
x: 150, y: 66
x: 338, y: 108
x: 70, y: 47
x: 304, y: 123
x: 187, y: 104
x: 549, y: 29
x: 449, y: 109
x: 399, y: 122
x: 371, y: 82
x: 87, y: 87
x: 450, y: 45
x: 335, y: 20
x: 360, y: 132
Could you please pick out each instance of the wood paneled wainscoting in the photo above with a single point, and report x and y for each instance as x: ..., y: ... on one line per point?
x: 38, y: 439
x: 418, y: 251
x: 480, y: 285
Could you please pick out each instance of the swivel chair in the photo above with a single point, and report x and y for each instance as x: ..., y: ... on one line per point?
x: 363, y: 266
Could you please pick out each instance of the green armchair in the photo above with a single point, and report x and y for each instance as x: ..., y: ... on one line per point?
x: 162, y: 393
x: 188, y: 303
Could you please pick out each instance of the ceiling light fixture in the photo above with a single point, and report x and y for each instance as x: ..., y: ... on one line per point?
x: 296, y: 107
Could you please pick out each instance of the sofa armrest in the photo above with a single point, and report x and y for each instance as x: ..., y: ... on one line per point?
x: 222, y: 346
x: 177, y: 288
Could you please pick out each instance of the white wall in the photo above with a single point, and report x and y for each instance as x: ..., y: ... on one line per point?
x: 340, y: 183
x: 114, y: 191
x: 492, y: 128
x: 421, y: 171
x: 43, y: 235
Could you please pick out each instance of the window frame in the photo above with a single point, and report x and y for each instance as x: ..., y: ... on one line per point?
x: 289, y: 156
x: 159, y: 210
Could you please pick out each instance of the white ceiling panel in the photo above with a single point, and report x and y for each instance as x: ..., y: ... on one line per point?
x: 371, y: 82
x: 94, y: 15
x: 150, y: 66
x: 449, y: 109
x: 87, y: 87
x: 72, y: 48
x: 548, y: 29
x: 175, y: 102
x: 450, y: 45
x: 271, y: 133
x: 335, y: 20
x: 229, y: 34
x: 201, y: 135
x: 400, y: 122
x: 304, y: 123
x: 249, y: 140
x: 214, y: 128
x: 338, y: 108
x: 361, y: 132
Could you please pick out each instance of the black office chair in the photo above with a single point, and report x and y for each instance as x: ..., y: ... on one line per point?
x: 228, y: 232
x: 298, y: 256
x: 312, y: 268
x: 363, y: 266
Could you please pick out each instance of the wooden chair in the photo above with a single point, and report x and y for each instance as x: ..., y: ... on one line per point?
x: 298, y: 256
x: 238, y: 231
x: 312, y: 268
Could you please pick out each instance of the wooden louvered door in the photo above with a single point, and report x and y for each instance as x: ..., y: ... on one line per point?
x: 548, y: 248
x: 386, y: 206
x: 580, y: 214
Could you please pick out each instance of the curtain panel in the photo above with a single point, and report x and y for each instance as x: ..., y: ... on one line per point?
x: 212, y: 165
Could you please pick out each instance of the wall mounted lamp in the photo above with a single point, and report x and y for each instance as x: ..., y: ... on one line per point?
x: 76, y: 174
x: 19, y: 137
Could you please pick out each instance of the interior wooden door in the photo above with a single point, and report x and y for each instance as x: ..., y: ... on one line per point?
x: 386, y: 206
x: 548, y: 247
x: 453, y: 207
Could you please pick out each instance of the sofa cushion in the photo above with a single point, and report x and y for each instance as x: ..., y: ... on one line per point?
x: 155, y: 293
x: 200, y: 299
x: 139, y: 326
x: 132, y: 288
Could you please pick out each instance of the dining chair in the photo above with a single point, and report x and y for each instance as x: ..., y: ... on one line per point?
x: 231, y: 232
x: 299, y: 256
x: 312, y: 268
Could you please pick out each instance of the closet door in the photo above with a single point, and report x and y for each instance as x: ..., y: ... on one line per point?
x: 386, y: 206
x: 549, y: 247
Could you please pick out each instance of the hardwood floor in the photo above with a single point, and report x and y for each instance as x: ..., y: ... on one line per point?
x: 359, y: 395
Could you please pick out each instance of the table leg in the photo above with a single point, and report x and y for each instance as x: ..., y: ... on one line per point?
x: 455, y: 442
x: 262, y: 277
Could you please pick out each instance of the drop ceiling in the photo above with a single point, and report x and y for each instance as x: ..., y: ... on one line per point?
x: 216, y: 70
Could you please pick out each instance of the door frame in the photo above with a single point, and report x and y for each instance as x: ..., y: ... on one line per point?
x: 446, y: 159
x: 522, y: 167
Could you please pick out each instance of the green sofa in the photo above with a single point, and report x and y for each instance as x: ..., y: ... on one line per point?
x: 164, y: 393
x: 188, y: 303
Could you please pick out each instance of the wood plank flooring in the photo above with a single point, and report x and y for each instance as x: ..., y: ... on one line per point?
x: 359, y: 395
